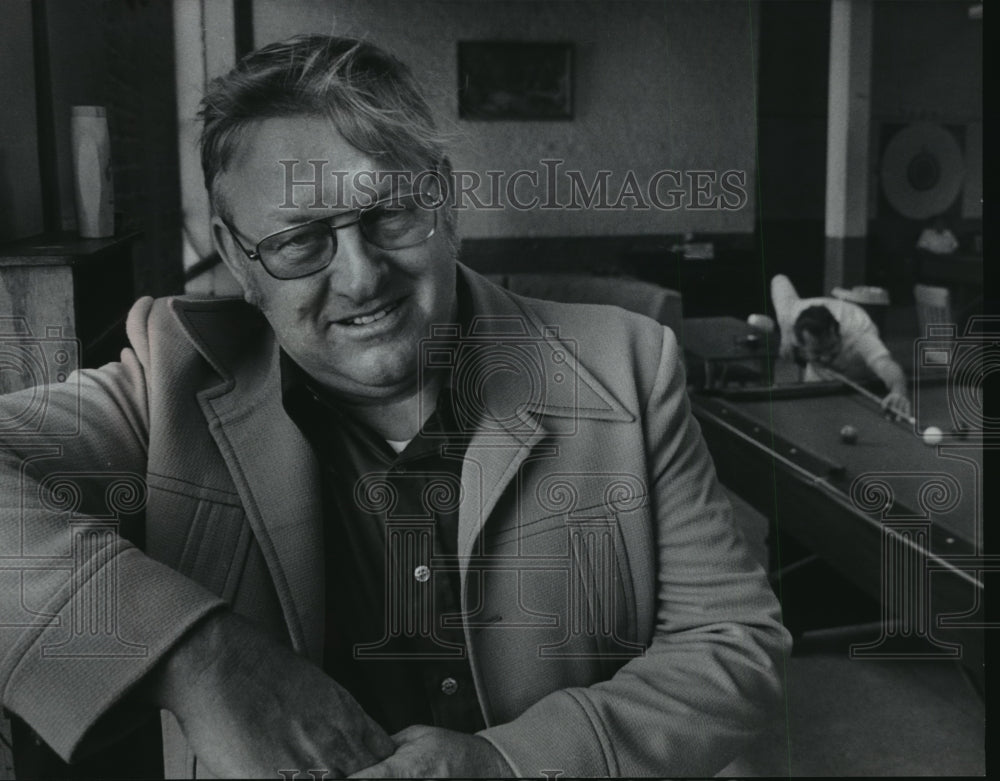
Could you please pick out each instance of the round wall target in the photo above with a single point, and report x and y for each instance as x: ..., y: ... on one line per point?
x: 922, y: 170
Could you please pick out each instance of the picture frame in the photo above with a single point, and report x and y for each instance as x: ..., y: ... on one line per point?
x: 515, y: 80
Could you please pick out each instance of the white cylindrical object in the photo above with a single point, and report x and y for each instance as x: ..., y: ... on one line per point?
x: 93, y: 185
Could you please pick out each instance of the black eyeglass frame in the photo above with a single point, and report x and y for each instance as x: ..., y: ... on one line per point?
x: 354, y: 218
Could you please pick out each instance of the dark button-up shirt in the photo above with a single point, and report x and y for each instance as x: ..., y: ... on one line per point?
x: 390, y: 520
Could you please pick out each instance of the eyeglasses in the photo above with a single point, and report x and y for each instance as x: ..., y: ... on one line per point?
x: 392, y: 223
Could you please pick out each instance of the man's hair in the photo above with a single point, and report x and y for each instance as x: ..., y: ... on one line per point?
x: 369, y: 96
x: 816, y: 320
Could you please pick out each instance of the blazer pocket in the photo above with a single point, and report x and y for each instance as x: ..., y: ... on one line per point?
x: 200, y: 532
x: 575, y: 571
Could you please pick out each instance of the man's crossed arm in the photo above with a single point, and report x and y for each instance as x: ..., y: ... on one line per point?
x: 250, y: 707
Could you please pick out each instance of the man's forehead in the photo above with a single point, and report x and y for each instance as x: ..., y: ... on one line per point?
x: 824, y: 338
x: 269, y: 146
x: 301, y: 163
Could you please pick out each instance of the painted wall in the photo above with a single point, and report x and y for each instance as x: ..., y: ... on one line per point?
x: 928, y: 65
x: 658, y: 85
x: 20, y: 183
x: 792, y: 109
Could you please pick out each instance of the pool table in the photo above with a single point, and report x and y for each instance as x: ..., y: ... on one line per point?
x: 899, y: 519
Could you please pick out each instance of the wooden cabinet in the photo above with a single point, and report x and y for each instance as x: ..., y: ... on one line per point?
x: 63, y: 303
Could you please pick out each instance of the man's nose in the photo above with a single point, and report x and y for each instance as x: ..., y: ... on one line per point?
x: 357, y: 267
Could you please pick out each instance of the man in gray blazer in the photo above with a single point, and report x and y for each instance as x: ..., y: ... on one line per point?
x: 381, y: 496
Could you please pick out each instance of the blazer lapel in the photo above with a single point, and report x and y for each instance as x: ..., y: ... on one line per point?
x: 563, y: 393
x: 271, y: 463
x: 490, y: 465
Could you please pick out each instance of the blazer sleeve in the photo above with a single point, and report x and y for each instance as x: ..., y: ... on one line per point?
x: 85, y: 614
x: 711, y: 674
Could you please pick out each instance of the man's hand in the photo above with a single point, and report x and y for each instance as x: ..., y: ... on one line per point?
x: 251, y: 707
x: 896, y: 403
x: 432, y: 752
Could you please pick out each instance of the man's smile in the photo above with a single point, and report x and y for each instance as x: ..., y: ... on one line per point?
x: 375, y: 319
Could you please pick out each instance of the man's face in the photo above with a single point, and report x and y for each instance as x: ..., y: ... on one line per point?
x: 822, y: 349
x: 316, y: 318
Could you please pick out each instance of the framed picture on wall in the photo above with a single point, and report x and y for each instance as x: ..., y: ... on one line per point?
x: 515, y: 80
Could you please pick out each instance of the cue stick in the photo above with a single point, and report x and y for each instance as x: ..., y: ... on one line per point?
x: 865, y: 392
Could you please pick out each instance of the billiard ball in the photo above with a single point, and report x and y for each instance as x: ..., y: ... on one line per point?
x: 849, y: 435
x: 932, y: 435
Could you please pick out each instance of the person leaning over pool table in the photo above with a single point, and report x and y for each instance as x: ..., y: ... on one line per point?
x: 282, y: 439
x: 827, y: 333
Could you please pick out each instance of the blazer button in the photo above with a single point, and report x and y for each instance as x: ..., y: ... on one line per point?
x: 422, y: 573
x: 449, y: 686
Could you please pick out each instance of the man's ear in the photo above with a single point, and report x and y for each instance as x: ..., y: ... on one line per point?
x: 234, y: 258
x: 448, y: 212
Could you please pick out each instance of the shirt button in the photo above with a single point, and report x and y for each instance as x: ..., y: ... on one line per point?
x: 449, y: 686
x: 422, y: 573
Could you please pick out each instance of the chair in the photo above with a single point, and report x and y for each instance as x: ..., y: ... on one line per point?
x: 933, y: 306
x: 645, y: 298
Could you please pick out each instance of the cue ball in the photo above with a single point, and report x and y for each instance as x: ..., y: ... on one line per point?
x: 849, y: 434
x: 932, y: 435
